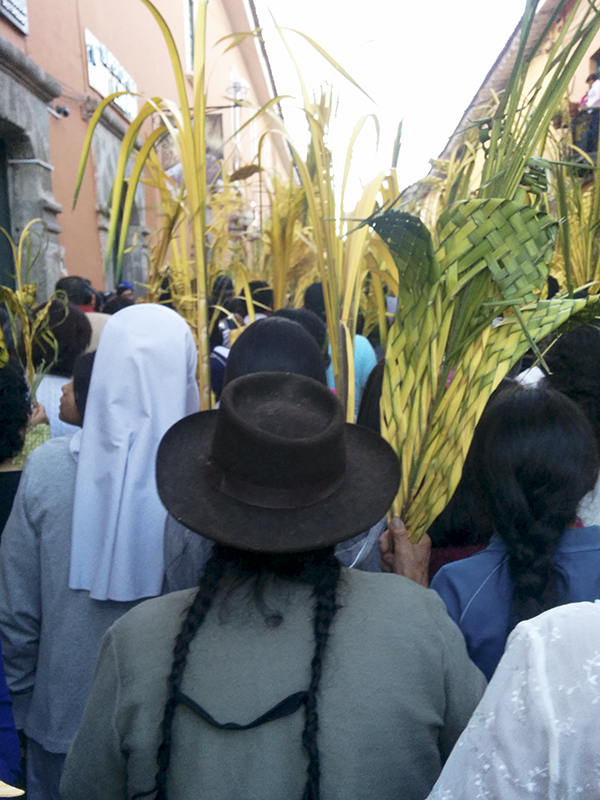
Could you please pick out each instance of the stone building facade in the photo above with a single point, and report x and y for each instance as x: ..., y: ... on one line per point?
x: 57, y: 60
x: 25, y: 163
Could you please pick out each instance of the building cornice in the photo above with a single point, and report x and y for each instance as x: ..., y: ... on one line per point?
x: 15, y: 63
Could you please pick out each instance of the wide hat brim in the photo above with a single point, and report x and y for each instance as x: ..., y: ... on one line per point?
x: 365, y: 494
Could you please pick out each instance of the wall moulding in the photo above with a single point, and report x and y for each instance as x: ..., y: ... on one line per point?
x: 20, y: 67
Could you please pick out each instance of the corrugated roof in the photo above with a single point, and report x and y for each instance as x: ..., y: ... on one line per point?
x: 497, y: 78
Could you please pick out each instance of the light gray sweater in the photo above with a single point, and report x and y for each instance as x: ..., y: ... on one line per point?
x: 397, y: 689
x: 51, y: 634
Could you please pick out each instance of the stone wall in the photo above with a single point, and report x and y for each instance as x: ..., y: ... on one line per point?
x: 25, y: 91
x: 106, y: 147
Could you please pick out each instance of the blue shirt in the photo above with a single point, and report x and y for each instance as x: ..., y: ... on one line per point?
x: 477, y: 591
x: 364, y: 361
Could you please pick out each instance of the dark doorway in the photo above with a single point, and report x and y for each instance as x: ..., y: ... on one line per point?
x: 7, y: 264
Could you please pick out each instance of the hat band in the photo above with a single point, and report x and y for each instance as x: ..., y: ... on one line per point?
x: 270, y: 496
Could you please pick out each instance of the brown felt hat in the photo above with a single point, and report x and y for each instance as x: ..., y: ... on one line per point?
x: 276, y: 468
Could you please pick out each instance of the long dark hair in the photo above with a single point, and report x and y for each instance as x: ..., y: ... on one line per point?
x: 574, y: 362
x: 464, y: 522
x: 15, y: 409
x: 72, y: 331
x: 537, y: 459
x: 228, y: 569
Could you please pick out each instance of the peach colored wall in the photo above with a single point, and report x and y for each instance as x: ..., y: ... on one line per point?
x: 126, y: 27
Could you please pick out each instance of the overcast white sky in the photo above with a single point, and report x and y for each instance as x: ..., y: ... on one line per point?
x: 421, y: 61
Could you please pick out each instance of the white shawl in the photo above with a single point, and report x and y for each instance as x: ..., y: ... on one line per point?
x: 142, y: 383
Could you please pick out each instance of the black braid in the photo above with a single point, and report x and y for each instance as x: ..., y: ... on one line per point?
x: 538, y: 584
x: 325, y: 610
x: 234, y: 568
x: 196, y: 614
x: 537, y: 458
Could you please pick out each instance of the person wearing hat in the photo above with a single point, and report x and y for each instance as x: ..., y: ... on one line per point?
x: 125, y: 289
x: 283, y: 675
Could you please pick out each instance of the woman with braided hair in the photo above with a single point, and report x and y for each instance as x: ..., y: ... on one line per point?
x: 537, y: 458
x: 284, y: 675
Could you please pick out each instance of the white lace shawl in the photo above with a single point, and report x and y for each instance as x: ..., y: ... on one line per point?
x: 536, y: 731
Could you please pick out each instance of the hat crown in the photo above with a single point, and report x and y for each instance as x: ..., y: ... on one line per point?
x: 276, y: 469
x: 279, y: 431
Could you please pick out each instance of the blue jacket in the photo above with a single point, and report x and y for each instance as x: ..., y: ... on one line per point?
x: 478, y: 590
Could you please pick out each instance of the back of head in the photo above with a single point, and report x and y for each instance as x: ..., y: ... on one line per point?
x: 369, y: 413
x: 464, y: 522
x: 144, y: 365
x: 275, y: 344
x: 309, y: 321
x: 14, y: 409
x: 314, y: 300
x: 82, y: 375
x: 124, y: 286
x: 537, y: 458
x: 72, y: 331
x: 574, y: 362
x: 117, y: 303
x: 222, y: 290
x: 262, y: 296
x: 78, y: 290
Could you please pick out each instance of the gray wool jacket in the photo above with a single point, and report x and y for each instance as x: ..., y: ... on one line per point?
x: 396, y: 691
x: 51, y: 634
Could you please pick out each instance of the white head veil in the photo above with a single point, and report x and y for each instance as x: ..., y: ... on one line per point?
x: 142, y: 383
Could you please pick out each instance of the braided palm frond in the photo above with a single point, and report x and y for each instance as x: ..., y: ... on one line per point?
x: 491, y: 251
x: 417, y: 338
x: 486, y: 363
x: 443, y: 358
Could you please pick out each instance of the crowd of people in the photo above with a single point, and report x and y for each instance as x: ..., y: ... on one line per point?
x: 213, y: 603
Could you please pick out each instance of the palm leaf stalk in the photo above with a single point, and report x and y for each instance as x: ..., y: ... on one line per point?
x: 340, y: 246
x: 576, y: 261
x: 189, y: 141
x: 27, y: 326
x: 181, y: 247
x: 520, y: 124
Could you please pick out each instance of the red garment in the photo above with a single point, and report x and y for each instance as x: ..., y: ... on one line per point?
x: 448, y: 553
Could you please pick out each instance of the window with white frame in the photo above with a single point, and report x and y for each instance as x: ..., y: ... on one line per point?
x: 15, y: 11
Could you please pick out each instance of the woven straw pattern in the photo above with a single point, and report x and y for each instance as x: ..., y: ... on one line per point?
x: 443, y: 358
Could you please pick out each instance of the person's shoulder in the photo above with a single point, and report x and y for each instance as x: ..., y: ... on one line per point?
x: 565, y: 641
x: 574, y: 621
x: 472, y: 567
x: 53, y: 456
x: 378, y: 590
x: 154, y: 614
x: 141, y: 641
x: 362, y: 344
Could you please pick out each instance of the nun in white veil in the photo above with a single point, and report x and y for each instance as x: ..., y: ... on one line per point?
x: 84, y: 541
x: 134, y: 397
